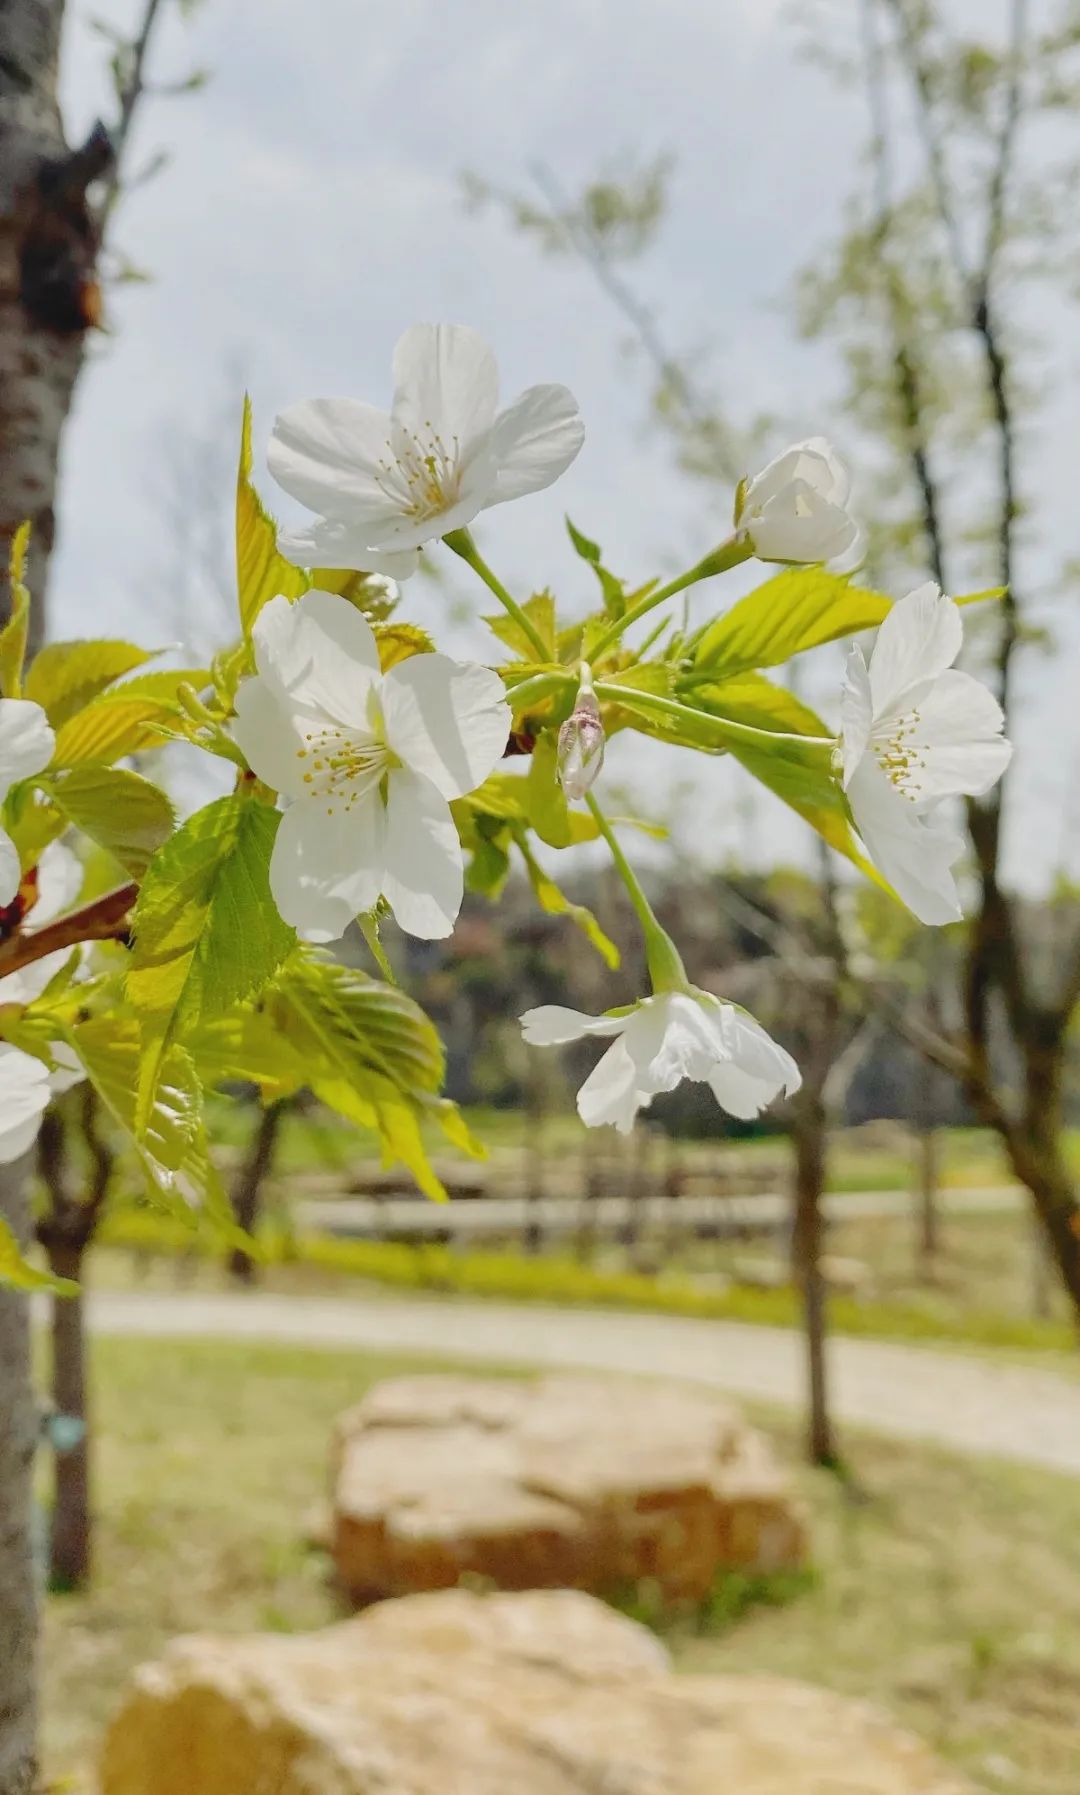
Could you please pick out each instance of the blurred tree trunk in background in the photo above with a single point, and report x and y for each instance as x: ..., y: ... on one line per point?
x: 50, y: 236
x: 248, y: 1190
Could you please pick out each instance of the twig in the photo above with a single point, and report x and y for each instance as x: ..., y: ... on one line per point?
x: 129, y: 100
x: 105, y: 919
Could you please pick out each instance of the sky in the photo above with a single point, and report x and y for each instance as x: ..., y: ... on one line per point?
x: 311, y: 208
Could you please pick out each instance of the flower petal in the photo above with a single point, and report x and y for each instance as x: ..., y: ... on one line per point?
x: 553, y: 1025
x: 919, y: 638
x: 448, y: 720
x: 671, y: 1038
x: 958, y: 738
x: 325, y: 870
x: 813, y: 462
x: 24, y: 1095
x: 330, y: 454
x: 914, y: 850
x: 856, y: 712
x: 327, y: 542
x: 801, y: 526
x: 446, y: 384
x: 10, y: 870
x: 610, y: 1094
x: 67, y: 1069
x: 26, y: 741
x: 758, y: 1068
x: 60, y: 876
x: 322, y: 651
x: 423, y: 879
x: 268, y: 728
x: 534, y: 441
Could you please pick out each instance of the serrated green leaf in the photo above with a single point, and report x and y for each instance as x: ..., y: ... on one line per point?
x: 64, y: 677
x: 127, y: 815
x: 261, y: 572
x: 16, y: 1273
x: 753, y: 699
x: 556, y: 903
x: 126, y: 718
x: 13, y: 635
x: 540, y: 610
x: 795, y: 610
x: 613, y: 589
x: 207, y: 933
x: 398, y: 642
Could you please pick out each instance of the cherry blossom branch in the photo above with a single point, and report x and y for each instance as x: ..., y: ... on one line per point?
x: 666, y: 969
x: 462, y: 544
x: 104, y: 919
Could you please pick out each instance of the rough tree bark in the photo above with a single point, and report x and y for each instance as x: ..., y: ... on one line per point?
x: 18, y: 1596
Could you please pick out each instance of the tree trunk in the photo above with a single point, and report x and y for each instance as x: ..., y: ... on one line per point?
x: 247, y: 1194
x: 18, y: 1438
x: 69, y: 1542
x: 929, y: 1229
x: 809, y: 1134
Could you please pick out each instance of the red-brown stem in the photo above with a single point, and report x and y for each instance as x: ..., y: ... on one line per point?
x: 105, y: 919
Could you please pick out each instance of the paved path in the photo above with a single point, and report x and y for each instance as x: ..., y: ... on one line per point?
x: 972, y: 1404
x: 759, y: 1212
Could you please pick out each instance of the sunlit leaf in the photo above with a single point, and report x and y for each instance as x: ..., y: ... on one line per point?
x: 63, y: 677
x: 121, y: 811
x: 261, y: 572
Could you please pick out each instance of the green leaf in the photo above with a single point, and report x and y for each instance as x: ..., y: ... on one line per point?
x: 613, y: 589
x: 545, y: 800
x: 751, y: 698
x: 369, y: 592
x: 556, y: 903
x: 16, y: 1273
x: 795, y: 610
x: 126, y: 718
x: 540, y: 610
x: 170, y: 1145
x: 261, y: 572
x: 14, y: 633
x: 399, y: 641
x: 65, y: 676
x: 127, y: 815
x: 207, y: 933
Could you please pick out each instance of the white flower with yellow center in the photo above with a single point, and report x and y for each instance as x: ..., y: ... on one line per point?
x: 367, y: 763
x: 915, y: 732
x: 796, y: 511
x: 659, y: 1042
x: 26, y: 747
x: 384, y: 483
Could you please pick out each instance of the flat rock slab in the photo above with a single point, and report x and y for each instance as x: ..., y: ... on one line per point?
x: 545, y: 1693
x: 587, y: 1483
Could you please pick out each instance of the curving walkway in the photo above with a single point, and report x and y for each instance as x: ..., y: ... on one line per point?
x: 968, y: 1403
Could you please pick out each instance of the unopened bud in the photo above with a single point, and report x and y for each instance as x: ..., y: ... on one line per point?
x: 581, y: 746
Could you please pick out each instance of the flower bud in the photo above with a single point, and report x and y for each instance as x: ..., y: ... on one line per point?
x: 581, y: 746
x: 795, y: 510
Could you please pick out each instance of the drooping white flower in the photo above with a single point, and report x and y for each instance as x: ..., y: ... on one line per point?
x: 915, y: 732
x: 661, y: 1041
x: 367, y: 763
x: 384, y: 483
x: 26, y: 747
x: 24, y: 1097
x: 795, y: 510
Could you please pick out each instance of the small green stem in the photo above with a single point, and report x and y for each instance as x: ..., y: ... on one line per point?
x: 725, y: 727
x: 462, y: 544
x: 729, y: 554
x: 666, y: 969
x: 537, y: 686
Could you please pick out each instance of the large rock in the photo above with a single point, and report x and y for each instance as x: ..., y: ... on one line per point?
x: 588, y: 1483
x: 548, y: 1693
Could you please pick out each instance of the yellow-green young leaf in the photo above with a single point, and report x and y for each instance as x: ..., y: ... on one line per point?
x: 261, y: 573
x: 545, y: 800
x: 614, y: 592
x: 171, y: 1148
x: 16, y: 1273
x: 65, y: 676
x: 556, y: 903
x: 369, y: 592
x: 399, y: 641
x: 127, y: 815
x: 795, y: 610
x: 753, y: 699
x: 14, y: 633
x: 380, y: 1106
x: 207, y: 933
x: 540, y: 610
x: 126, y: 718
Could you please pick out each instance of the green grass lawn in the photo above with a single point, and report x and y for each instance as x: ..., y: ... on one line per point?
x: 946, y: 1589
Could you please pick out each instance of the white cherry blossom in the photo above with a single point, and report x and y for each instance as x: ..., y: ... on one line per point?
x: 659, y: 1042
x: 383, y: 483
x: 367, y: 763
x: 26, y: 747
x: 914, y: 733
x: 58, y: 883
x: 25, y: 1093
x: 795, y: 510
